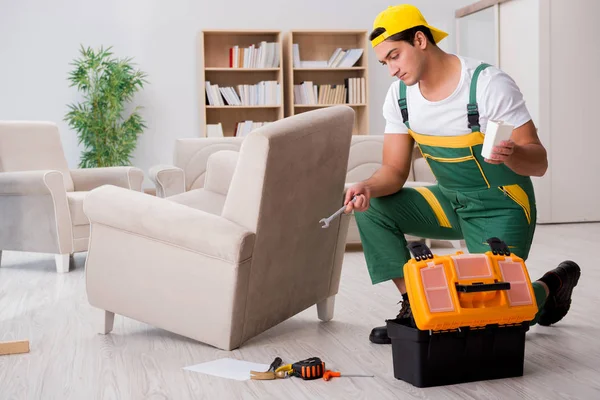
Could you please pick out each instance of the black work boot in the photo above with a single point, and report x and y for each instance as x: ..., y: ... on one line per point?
x: 560, y: 282
x: 379, y: 335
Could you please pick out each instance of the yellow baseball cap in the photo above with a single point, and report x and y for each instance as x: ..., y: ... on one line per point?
x: 396, y: 19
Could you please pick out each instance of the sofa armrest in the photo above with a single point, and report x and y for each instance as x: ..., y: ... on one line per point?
x: 172, y: 223
x: 31, y: 182
x: 219, y: 171
x: 86, y: 179
x: 169, y: 180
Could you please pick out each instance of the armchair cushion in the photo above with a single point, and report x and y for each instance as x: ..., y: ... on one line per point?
x: 201, y: 199
x: 219, y: 171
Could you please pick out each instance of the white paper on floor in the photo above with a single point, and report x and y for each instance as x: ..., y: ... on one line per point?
x: 228, y: 368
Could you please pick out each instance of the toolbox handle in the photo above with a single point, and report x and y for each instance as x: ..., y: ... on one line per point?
x: 483, y: 287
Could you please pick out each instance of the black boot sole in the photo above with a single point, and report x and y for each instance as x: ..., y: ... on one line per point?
x: 379, y: 340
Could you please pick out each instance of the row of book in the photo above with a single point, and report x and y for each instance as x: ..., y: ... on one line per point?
x: 353, y: 91
x: 265, y: 55
x: 260, y: 94
x: 340, y: 58
x: 242, y: 128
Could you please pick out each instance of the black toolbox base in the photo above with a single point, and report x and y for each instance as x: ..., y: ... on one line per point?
x: 451, y: 357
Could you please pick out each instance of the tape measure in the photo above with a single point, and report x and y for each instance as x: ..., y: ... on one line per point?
x: 311, y: 368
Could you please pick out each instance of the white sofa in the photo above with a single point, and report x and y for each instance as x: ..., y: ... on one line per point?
x: 41, y: 199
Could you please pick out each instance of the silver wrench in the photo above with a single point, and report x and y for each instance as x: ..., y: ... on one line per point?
x: 326, y: 221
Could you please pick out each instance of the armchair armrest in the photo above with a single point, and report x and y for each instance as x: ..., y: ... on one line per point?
x: 31, y: 182
x: 219, y: 171
x: 33, y: 206
x: 169, y: 180
x: 86, y: 179
x: 169, y: 222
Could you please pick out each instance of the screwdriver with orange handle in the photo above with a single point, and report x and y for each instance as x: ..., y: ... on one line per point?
x: 336, y: 374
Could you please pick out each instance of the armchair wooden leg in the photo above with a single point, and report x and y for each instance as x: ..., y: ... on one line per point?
x: 106, y: 321
x: 325, y: 309
x: 63, y: 262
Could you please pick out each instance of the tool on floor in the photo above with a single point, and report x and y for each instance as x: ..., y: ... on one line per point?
x: 335, y: 374
x: 269, y: 374
x: 309, y: 369
x: 16, y: 347
x: 283, y: 371
x: 326, y: 221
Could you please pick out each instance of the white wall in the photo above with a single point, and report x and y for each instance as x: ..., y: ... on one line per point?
x: 39, y: 38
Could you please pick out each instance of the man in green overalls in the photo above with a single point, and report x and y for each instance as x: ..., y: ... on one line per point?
x: 443, y: 102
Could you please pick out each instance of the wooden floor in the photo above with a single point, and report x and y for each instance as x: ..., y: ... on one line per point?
x: 68, y: 360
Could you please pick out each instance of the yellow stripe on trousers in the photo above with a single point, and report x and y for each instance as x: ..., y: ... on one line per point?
x: 435, y: 206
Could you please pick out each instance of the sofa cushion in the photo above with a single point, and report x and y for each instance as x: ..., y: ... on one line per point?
x: 201, y: 199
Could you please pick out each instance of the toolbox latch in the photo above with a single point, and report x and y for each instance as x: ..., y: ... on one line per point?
x: 498, y: 247
x: 420, y: 251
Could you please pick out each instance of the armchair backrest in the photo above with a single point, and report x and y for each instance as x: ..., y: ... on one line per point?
x: 32, y: 145
x: 191, y: 155
x: 289, y: 175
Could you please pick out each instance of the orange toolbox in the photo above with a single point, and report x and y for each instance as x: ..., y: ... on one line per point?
x: 471, y: 313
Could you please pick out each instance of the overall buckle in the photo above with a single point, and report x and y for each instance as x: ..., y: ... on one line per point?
x: 473, y: 115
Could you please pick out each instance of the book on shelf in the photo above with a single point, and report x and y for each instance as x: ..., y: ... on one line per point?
x: 245, y: 127
x: 340, y: 58
x: 353, y: 91
x: 265, y: 55
x: 263, y: 93
x: 214, y: 130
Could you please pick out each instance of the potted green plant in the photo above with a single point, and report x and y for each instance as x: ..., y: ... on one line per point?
x: 107, y: 84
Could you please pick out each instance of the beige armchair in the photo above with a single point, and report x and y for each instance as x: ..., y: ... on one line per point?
x: 41, y: 200
x: 190, y: 160
x: 224, y: 277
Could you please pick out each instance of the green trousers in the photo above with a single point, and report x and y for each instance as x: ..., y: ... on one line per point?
x: 474, y: 216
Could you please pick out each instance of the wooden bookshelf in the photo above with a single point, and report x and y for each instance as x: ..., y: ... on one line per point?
x: 214, y: 66
x: 317, y: 47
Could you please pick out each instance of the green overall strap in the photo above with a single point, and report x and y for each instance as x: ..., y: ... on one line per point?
x: 402, y: 104
x: 472, y: 109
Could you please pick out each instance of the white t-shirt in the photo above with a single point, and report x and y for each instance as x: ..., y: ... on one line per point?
x: 498, y: 99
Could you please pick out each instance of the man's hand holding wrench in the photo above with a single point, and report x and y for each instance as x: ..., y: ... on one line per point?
x: 354, y: 201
